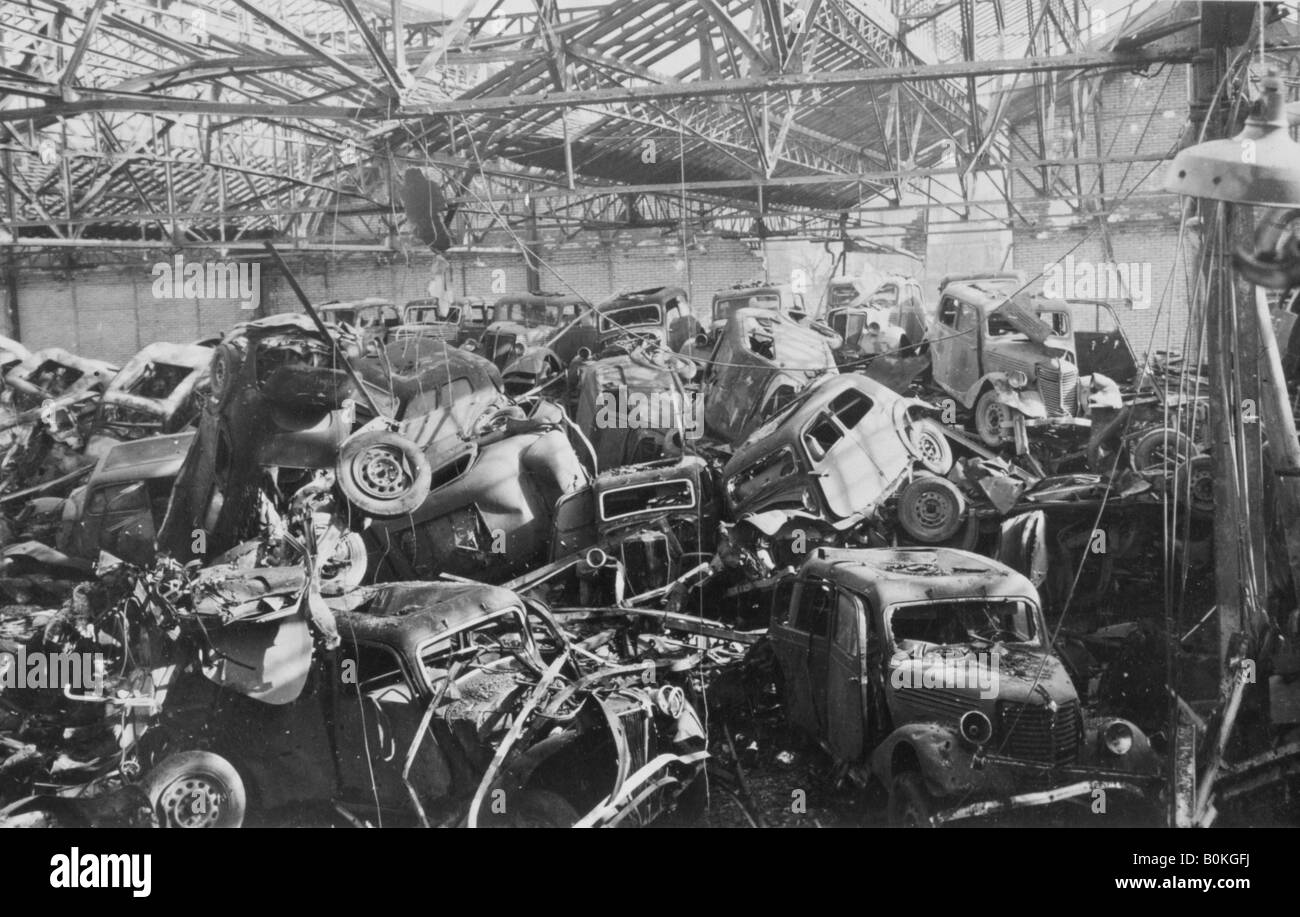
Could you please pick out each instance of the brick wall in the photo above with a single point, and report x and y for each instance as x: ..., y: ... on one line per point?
x: 110, y: 311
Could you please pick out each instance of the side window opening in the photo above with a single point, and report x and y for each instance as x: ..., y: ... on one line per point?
x: 814, y: 616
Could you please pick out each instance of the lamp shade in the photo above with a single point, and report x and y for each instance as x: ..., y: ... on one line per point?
x: 1260, y: 166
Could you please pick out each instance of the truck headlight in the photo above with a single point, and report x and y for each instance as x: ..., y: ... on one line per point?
x: 975, y: 727
x: 1118, y: 738
x: 1017, y: 379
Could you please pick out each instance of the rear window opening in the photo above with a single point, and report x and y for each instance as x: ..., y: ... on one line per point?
x: 657, y: 497
x: 159, y: 380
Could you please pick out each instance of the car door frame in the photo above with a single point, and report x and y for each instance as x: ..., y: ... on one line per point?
x: 846, y: 688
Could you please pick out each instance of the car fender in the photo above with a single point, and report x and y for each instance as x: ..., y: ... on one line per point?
x: 769, y: 522
x: 1027, y: 401
x: 946, y: 763
x: 532, y: 363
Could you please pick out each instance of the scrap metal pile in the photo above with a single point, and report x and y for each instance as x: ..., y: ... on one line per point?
x: 534, y: 564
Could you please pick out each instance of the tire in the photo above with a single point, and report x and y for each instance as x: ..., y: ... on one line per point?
x: 226, y: 360
x: 347, y: 566
x: 383, y: 474
x: 1161, y: 449
x: 1194, y: 485
x: 930, y: 446
x: 931, y: 510
x: 910, y: 803
x: 989, y: 415
x: 195, y: 789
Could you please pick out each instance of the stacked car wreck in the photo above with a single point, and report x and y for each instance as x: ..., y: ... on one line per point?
x: 404, y: 574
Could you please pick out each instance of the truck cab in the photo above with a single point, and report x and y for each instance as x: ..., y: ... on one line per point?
x: 928, y: 672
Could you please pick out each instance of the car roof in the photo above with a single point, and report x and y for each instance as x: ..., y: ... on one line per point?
x: 406, y: 615
x: 891, y: 575
x: 421, y: 363
x: 632, y: 297
x: 353, y: 304
x: 546, y: 299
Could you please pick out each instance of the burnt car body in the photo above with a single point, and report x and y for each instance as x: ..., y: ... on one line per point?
x: 634, y: 408
x: 928, y: 673
x: 835, y: 454
x: 401, y: 724
x: 460, y: 321
x: 121, y: 508
x: 656, y: 519
x: 991, y: 352
x: 49, y: 401
x: 757, y: 295
x: 532, y: 337
x: 373, y: 318
x: 762, y: 359
x: 660, y: 313
x: 280, y: 398
x: 495, y: 473
x: 157, y: 391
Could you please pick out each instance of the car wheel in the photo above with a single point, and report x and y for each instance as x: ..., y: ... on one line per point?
x: 931, y: 509
x: 196, y: 789
x: 383, y: 474
x: 1194, y: 485
x: 990, y: 416
x: 226, y: 360
x: 910, y: 803
x: 930, y: 446
x: 1161, y: 449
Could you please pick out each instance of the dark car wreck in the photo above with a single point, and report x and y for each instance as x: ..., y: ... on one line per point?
x: 445, y: 704
x: 761, y: 361
x: 926, y: 673
x: 159, y: 390
x: 532, y: 337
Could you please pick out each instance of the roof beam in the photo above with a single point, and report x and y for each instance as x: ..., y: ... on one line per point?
x: 79, y: 50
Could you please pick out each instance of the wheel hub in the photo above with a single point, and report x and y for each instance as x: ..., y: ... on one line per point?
x: 381, y: 473
x: 192, y: 802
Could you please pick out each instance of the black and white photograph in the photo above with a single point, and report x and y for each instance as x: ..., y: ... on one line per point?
x: 701, y: 414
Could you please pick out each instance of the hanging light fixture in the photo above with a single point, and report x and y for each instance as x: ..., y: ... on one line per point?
x: 1261, y: 165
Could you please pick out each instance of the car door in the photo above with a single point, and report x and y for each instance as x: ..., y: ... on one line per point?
x: 845, y: 690
x: 1100, y: 344
x: 376, y: 718
x: 794, y: 641
x: 945, y: 343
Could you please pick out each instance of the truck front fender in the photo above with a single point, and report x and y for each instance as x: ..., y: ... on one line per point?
x: 1027, y: 401
x: 946, y: 763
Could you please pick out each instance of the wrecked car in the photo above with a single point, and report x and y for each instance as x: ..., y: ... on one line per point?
x: 373, y: 318
x: 652, y: 520
x: 762, y: 359
x: 467, y: 481
x: 157, y: 391
x: 282, y: 397
x: 991, y: 352
x: 121, y: 508
x: 927, y: 673
x: 835, y: 454
x: 756, y: 295
x: 896, y: 304
x: 463, y: 320
x: 532, y: 337
x: 659, y: 313
x: 634, y: 406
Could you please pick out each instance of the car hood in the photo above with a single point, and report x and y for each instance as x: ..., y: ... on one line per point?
x: 980, y: 673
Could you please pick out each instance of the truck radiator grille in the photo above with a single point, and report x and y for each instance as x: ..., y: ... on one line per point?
x: 1059, y: 389
x: 1036, y: 733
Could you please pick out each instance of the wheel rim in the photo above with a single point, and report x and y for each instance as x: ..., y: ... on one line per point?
x: 192, y: 801
x: 382, y: 473
x: 932, y: 511
x: 994, y: 415
x: 928, y: 450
